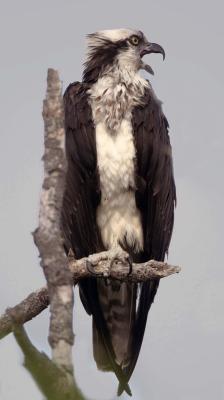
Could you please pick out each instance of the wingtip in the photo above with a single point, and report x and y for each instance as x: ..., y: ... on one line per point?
x: 124, y: 388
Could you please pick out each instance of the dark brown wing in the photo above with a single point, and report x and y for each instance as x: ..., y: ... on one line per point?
x: 82, y: 192
x: 81, y: 198
x: 155, y: 197
x: 156, y: 193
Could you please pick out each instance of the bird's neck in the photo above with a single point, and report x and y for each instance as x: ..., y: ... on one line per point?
x: 122, y: 71
x: 115, y: 93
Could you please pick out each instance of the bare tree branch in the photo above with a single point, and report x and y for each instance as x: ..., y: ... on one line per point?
x: 101, y: 264
x: 23, y: 312
x: 47, y: 236
x: 37, y: 301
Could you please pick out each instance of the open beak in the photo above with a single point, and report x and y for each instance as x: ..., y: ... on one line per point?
x: 152, y: 48
x: 148, y: 49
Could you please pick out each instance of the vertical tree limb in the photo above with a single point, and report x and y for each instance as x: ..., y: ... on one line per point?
x: 47, y: 236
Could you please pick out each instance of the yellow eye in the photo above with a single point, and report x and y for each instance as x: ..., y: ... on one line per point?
x: 134, y: 40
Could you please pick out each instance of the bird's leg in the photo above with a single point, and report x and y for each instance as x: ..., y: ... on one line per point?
x: 95, y: 269
x: 120, y: 255
x: 115, y: 255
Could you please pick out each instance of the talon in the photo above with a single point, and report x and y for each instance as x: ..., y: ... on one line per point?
x: 91, y: 269
x: 121, y: 255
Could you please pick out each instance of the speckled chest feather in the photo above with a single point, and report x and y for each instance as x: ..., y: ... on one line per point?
x: 112, y: 99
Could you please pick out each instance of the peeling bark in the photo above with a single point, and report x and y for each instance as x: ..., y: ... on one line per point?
x: 47, y: 236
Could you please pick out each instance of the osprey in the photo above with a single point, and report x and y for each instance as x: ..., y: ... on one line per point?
x: 120, y: 191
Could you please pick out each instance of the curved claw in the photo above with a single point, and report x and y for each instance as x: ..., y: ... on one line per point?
x: 122, y: 257
x: 91, y: 269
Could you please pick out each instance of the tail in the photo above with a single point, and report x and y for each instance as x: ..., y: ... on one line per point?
x: 102, y: 344
x: 118, y: 325
x: 147, y: 295
x: 118, y: 304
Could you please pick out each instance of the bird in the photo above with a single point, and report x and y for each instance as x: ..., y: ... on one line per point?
x: 120, y: 191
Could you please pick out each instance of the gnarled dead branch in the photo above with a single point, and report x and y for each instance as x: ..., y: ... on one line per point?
x: 47, y: 236
x: 37, y: 301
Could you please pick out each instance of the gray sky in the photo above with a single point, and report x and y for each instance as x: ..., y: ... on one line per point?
x: 182, y: 355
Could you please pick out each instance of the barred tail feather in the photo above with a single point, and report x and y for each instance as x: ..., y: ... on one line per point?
x: 102, y: 345
x: 118, y: 304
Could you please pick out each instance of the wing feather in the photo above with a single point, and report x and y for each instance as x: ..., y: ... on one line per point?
x: 81, y: 198
x: 155, y: 197
x: 155, y: 168
x: 82, y: 192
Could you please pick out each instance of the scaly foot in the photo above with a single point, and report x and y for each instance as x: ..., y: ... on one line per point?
x: 118, y: 254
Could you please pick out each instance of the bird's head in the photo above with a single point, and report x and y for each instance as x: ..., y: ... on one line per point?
x: 122, y: 47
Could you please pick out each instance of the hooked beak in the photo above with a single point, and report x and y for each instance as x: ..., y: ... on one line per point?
x: 152, y: 48
x: 148, y: 49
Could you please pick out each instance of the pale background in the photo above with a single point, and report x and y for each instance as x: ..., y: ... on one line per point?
x: 182, y: 355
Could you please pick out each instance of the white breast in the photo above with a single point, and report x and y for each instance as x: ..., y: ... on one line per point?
x: 112, y: 98
x: 117, y: 215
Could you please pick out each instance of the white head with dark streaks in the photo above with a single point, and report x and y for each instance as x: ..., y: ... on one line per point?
x: 122, y: 47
